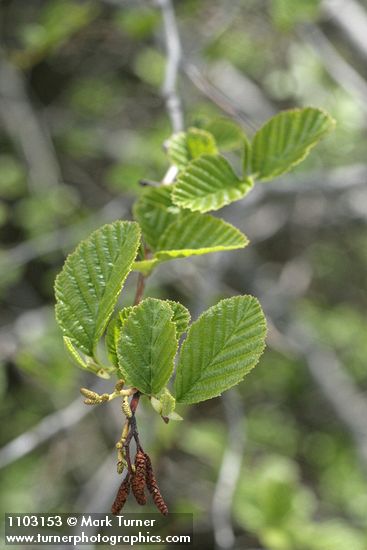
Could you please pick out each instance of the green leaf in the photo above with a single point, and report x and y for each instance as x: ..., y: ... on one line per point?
x: 223, y: 345
x: 200, y: 142
x: 74, y: 354
x: 92, y: 278
x: 174, y: 233
x: 155, y: 211
x: 208, y: 183
x: 227, y: 133
x: 168, y: 402
x: 286, y: 139
x: 113, y: 333
x: 147, y: 346
x: 156, y: 404
x: 195, y: 234
x: 181, y: 317
x: 164, y: 403
x: 145, y: 266
x: 84, y: 362
x: 183, y: 147
x: 174, y: 416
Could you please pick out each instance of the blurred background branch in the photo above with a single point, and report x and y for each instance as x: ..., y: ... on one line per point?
x: 174, y: 54
x: 26, y: 129
x: 351, y: 19
x: 229, y: 472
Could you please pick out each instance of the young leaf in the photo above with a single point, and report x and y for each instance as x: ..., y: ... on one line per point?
x: 155, y: 212
x: 91, y: 280
x: 156, y: 404
x: 113, y: 333
x: 286, y: 139
x: 74, y: 354
x: 195, y: 234
x: 147, y: 346
x: 208, y: 183
x: 168, y: 402
x: 200, y: 142
x: 223, y: 345
x: 86, y: 363
x: 174, y: 416
x: 186, y: 146
x: 227, y: 133
x: 145, y: 266
x: 181, y: 317
x: 164, y: 404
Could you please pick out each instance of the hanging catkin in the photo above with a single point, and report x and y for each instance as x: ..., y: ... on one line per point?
x: 121, y: 496
x: 153, y: 487
x: 138, y: 480
x: 126, y: 408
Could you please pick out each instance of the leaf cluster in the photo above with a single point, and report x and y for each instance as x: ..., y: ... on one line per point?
x: 142, y: 342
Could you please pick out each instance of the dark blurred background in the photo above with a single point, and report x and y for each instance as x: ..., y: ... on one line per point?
x: 280, y: 462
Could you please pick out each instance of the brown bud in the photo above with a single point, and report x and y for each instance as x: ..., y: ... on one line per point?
x: 121, y: 496
x: 153, y: 487
x: 138, y: 481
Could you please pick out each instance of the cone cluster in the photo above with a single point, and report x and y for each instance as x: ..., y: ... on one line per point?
x: 143, y: 476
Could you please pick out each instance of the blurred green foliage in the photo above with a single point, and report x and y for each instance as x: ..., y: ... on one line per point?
x: 12, y: 177
x: 56, y: 23
x: 286, y: 14
x: 137, y: 24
